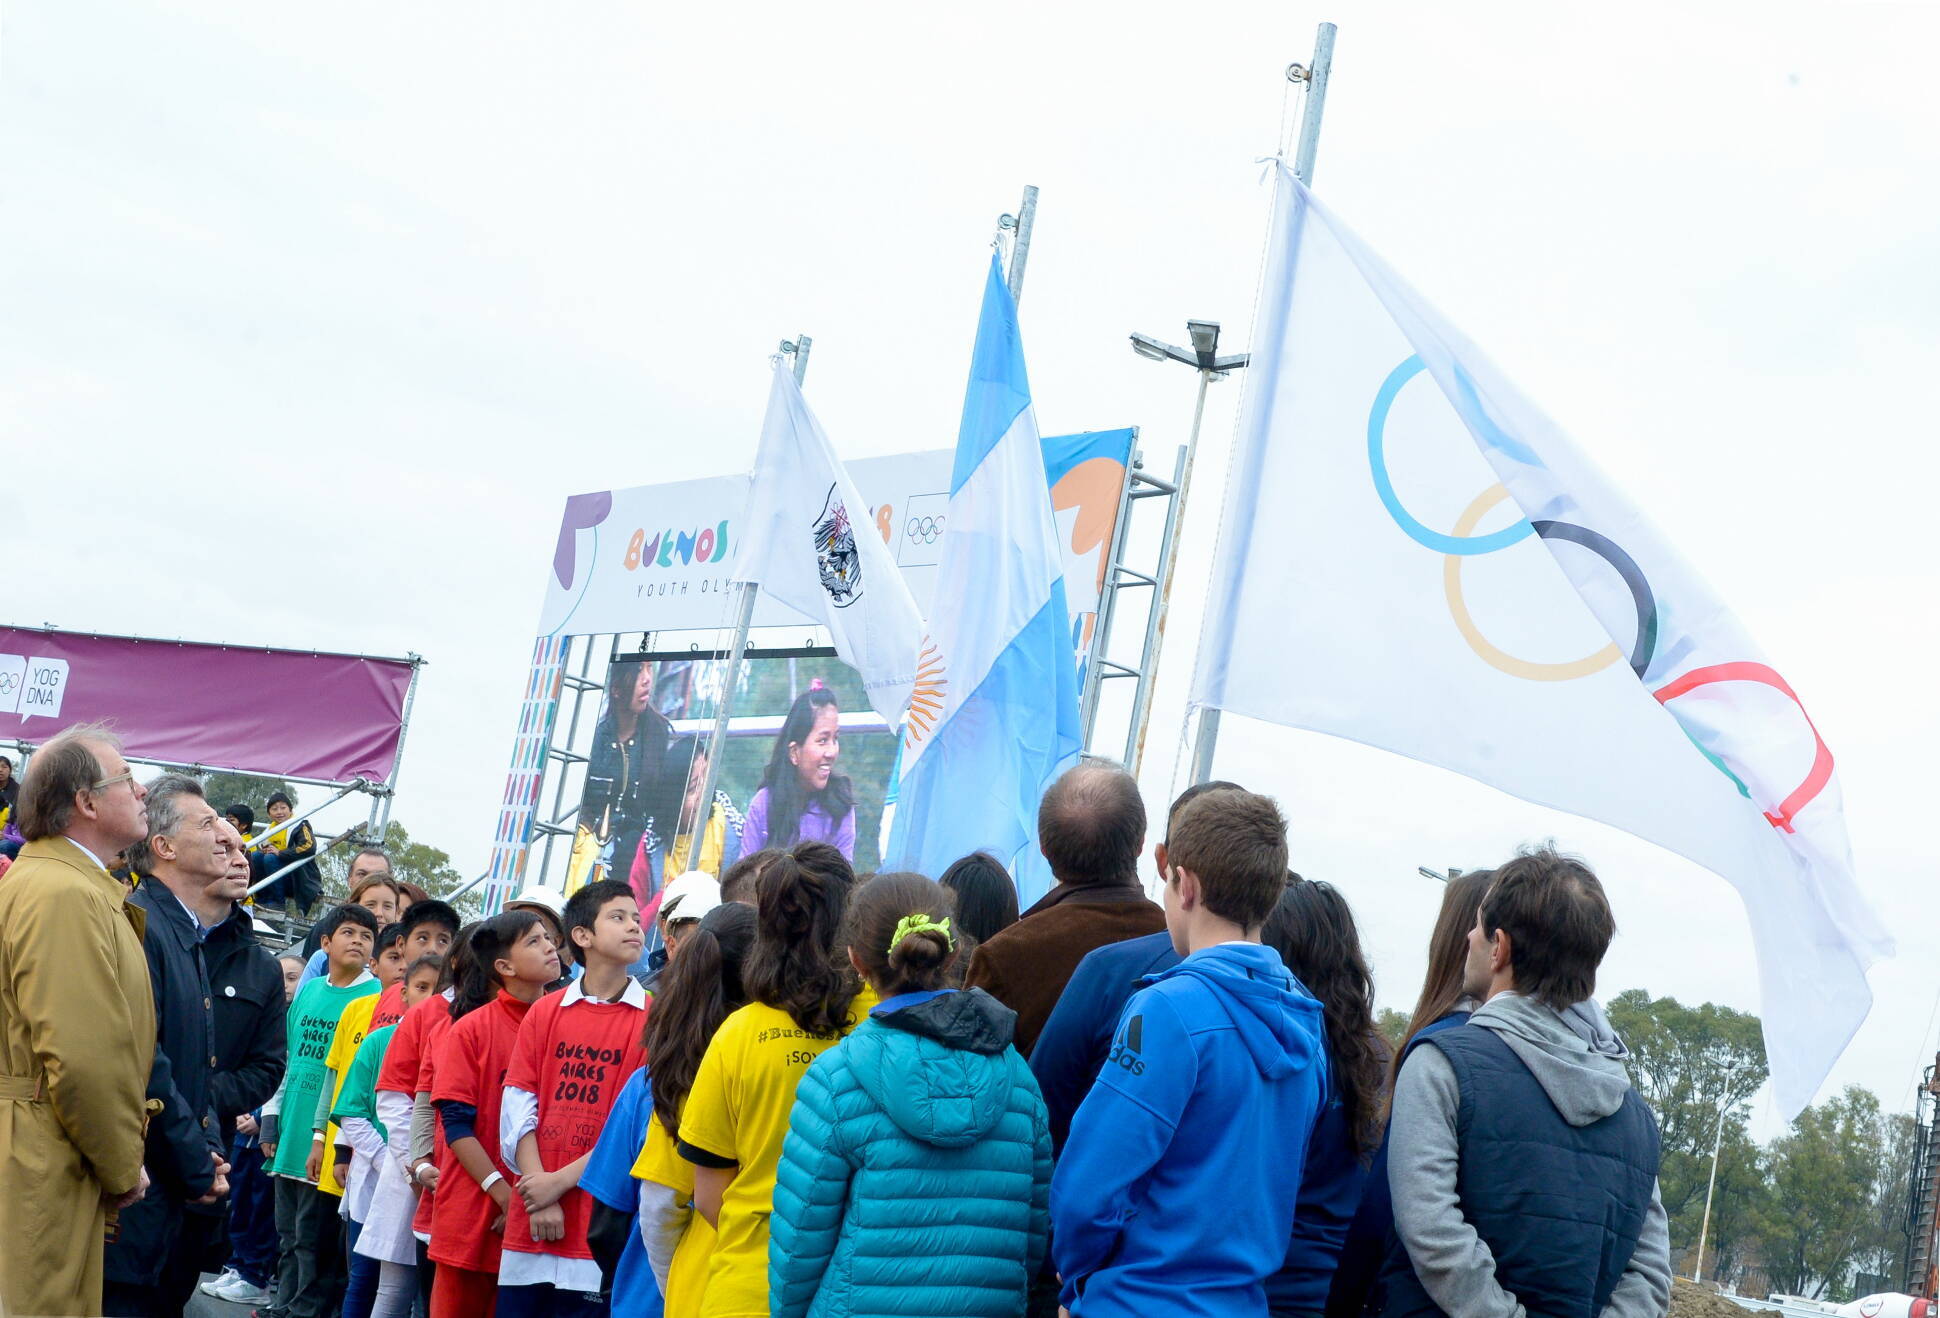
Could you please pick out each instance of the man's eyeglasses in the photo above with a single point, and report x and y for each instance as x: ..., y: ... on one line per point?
x: 115, y: 781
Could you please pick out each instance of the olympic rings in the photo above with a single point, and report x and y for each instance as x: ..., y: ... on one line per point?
x: 1463, y: 543
x: 1816, y: 777
x: 1494, y: 657
x: 1377, y: 424
x: 926, y: 529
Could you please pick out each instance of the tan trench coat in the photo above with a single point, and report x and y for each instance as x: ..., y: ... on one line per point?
x: 77, y: 1039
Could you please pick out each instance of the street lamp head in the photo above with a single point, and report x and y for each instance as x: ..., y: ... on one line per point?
x: 1205, y: 336
x: 1147, y: 346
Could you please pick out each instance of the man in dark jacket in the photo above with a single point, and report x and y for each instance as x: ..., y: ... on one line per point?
x: 1090, y: 826
x: 249, y: 1005
x: 183, y: 854
x: 1527, y: 1103
x: 1072, y: 1046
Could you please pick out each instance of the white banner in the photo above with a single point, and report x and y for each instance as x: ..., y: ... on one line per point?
x: 1414, y: 557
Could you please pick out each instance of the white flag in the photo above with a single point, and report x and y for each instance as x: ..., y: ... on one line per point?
x: 810, y: 544
x: 1414, y: 557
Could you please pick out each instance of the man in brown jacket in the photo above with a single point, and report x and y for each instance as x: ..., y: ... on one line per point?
x: 77, y: 1027
x: 1090, y: 827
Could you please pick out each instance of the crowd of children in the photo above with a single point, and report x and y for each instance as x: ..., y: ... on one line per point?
x: 800, y: 1110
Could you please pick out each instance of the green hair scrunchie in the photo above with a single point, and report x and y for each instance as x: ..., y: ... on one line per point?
x: 921, y: 924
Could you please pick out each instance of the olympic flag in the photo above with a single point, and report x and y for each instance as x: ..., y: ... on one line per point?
x: 1414, y: 557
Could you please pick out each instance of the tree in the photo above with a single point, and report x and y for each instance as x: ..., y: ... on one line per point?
x: 225, y: 789
x: 413, y: 862
x: 1825, y: 1176
x: 1393, y: 1026
x: 1695, y: 1067
x: 1883, y: 1253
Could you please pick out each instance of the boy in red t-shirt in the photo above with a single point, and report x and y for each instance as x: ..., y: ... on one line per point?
x: 575, y: 1052
x: 511, y: 962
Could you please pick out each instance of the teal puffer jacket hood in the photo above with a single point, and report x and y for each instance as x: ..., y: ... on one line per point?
x: 915, y: 1178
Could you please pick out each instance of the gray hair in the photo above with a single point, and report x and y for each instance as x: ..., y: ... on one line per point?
x: 165, y: 796
x: 60, y: 771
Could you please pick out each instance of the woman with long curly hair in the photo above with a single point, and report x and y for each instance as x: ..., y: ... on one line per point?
x: 1313, y: 930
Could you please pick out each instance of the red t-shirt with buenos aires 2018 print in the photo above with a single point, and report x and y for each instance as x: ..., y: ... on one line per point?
x: 470, y: 1069
x: 574, y: 1056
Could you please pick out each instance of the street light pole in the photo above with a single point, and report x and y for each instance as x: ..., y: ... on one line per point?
x: 1717, y: 1143
x: 1203, y: 356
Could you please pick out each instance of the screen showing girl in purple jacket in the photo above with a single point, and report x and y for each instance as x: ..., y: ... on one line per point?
x: 802, y: 798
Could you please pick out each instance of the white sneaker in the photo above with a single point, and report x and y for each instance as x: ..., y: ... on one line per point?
x: 212, y: 1288
x: 238, y: 1291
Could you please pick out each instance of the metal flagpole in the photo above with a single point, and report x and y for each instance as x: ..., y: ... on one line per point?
x: 1020, y: 250
x: 1315, y: 76
x: 724, y: 705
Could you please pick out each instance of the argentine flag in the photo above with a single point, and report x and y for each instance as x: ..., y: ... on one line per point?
x: 994, y: 715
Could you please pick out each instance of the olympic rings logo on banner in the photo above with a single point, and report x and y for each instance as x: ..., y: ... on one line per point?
x: 924, y: 530
x: 1462, y: 543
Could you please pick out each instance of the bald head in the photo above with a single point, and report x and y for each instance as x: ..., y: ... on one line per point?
x: 1091, y: 826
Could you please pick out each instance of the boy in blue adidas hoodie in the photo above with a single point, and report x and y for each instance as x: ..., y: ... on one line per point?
x: 1175, y: 1194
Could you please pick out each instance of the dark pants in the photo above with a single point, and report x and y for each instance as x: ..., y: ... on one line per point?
x: 252, y: 1217
x: 360, y: 1285
x: 187, y: 1261
x: 310, y: 1260
x: 427, y: 1272
x: 548, y: 1302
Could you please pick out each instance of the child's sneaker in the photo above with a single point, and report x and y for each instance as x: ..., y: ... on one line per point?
x: 237, y: 1290
x: 210, y: 1288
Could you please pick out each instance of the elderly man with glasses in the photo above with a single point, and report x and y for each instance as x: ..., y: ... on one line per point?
x: 77, y: 1027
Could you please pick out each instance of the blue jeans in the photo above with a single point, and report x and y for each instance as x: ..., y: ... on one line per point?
x: 360, y: 1291
x: 252, y: 1216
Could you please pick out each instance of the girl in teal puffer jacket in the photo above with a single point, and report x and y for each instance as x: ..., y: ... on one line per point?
x: 917, y: 1170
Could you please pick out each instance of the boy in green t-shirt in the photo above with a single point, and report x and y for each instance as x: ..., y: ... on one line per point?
x: 310, y: 1256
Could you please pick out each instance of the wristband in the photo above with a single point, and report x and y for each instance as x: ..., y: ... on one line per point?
x: 417, y: 1170
x: 490, y: 1181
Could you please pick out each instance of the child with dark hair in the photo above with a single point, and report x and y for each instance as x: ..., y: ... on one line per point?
x: 574, y: 1051
x: 986, y: 896
x: 737, y: 883
x: 429, y: 928
x: 802, y: 798
x: 925, y: 1102
x: 802, y: 1000
x: 512, y: 961
x: 294, y: 847
x: 698, y: 992
x: 309, y: 1240
x: 1173, y: 1193
x: 356, y: 1115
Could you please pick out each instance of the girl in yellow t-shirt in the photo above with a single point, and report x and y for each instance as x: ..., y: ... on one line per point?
x: 697, y: 991
x: 802, y: 999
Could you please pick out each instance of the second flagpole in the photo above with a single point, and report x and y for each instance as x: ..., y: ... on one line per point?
x: 724, y: 705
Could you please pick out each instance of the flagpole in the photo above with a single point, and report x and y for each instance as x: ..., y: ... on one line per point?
x: 1020, y: 248
x: 724, y: 704
x: 1315, y: 76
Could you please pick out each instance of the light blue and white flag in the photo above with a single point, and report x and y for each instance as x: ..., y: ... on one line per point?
x: 994, y: 715
x: 1416, y: 558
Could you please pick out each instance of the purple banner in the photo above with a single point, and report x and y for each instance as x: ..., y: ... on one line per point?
x: 285, y: 713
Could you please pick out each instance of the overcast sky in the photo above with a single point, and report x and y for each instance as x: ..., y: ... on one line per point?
x: 311, y: 316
